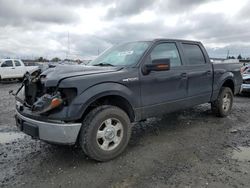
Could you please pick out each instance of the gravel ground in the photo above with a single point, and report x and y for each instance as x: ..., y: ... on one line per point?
x: 190, y: 148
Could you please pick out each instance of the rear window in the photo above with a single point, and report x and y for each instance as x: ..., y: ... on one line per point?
x: 193, y: 54
x: 7, y: 63
x: 17, y: 63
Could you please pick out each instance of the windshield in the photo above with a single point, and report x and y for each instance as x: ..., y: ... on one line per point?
x: 121, y: 55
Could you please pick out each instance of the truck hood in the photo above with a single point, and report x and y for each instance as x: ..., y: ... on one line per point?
x: 53, y: 76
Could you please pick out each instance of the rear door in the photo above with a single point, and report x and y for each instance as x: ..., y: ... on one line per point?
x: 7, y: 69
x: 199, y: 73
x: 163, y: 91
x: 19, y: 69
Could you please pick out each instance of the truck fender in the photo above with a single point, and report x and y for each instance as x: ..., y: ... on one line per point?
x: 228, y: 76
x: 97, y: 91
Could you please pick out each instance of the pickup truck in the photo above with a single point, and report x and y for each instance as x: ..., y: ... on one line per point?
x: 14, y: 68
x: 96, y: 105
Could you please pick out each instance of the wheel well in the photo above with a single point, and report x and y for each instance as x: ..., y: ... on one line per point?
x: 230, y: 84
x: 113, y: 100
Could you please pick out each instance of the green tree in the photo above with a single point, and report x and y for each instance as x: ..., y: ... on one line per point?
x: 55, y: 59
x: 40, y: 59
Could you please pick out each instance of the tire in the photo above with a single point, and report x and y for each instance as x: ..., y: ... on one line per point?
x: 105, y: 133
x: 223, y: 104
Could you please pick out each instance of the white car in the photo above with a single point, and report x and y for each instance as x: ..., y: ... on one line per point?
x: 14, y: 68
x: 245, y: 87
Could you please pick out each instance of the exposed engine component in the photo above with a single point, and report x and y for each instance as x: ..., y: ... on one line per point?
x: 46, y: 103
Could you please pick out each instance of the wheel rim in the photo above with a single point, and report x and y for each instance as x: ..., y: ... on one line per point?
x: 226, y: 102
x: 109, y: 134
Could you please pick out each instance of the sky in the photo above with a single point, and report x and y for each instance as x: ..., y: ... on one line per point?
x: 85, y: 28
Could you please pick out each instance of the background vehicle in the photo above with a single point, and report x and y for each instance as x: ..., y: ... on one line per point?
x: 245, y: 69
x: 14, y: 68
x: 95, y: 105
x: 245, y: 87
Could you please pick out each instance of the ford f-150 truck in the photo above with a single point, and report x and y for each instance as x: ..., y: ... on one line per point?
x: 95, y: 105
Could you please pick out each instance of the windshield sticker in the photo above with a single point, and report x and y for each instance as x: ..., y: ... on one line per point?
x: 125, y: 53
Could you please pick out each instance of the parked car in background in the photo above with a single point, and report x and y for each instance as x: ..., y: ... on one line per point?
x: 245, y: 87
x: 245, y: 69
x: 14, y: 68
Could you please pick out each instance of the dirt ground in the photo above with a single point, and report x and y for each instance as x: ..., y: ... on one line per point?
x: 191, y: 148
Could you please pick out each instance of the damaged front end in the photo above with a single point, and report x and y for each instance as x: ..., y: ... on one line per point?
x: 46, y: 103
x: 40, y: 99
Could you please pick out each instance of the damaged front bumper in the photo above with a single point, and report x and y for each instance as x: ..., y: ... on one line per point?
x: 54, y: 127
x: 50, y: 131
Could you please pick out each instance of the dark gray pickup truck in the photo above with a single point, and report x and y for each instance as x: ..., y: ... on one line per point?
x: 95, y: 105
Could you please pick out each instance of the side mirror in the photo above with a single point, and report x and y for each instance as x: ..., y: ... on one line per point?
x: 157, y: 65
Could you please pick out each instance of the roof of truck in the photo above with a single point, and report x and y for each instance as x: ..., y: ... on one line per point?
x: 167, y: 39
x: 8, y: 59
x: 178, y: 40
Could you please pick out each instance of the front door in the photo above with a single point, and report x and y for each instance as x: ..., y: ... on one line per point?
x: 7, y: 69
x: 163, y: 91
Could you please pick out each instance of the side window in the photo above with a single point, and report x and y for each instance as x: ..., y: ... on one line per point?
x: 7, y: 63
x: 167, y: 51
x: 193, y: 54
x: 17, y: 63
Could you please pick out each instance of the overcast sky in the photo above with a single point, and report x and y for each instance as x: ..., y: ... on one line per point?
x: 33, y: 28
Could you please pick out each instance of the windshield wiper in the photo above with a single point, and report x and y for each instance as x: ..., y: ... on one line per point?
x: 104, y: 64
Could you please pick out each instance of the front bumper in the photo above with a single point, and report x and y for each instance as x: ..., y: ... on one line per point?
x: 245, y: 88
x: 54, y: 132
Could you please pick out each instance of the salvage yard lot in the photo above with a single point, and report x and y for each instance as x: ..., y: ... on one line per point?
x: 190, y: 148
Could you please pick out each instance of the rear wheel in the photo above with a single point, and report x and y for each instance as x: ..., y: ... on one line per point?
x: 223, y: 104
x: 105, y: 133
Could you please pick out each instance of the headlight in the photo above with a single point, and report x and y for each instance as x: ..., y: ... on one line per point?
x: 46, y: 103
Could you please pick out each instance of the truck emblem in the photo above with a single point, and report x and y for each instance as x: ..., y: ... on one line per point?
x: 130, y: 79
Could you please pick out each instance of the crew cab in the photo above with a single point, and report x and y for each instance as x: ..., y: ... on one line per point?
x: 96, y: 105
x: 14, y: 68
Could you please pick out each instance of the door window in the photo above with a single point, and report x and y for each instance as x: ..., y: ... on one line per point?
x: 17, y: 63
x: 7, y: 63
x: 166, y: 51
x: 193, y: 54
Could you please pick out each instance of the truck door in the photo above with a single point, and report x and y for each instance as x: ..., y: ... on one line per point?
x: 199, y: 73
x: 19, y: 68
x: 7, y: 69
x: 163, y: 91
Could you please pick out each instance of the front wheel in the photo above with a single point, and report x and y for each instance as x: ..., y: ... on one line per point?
x: 223, y: 104
x: 105, y: 133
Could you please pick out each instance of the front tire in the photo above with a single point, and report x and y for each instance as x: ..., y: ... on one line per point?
x: 105, y: 133
x: 223, y: 104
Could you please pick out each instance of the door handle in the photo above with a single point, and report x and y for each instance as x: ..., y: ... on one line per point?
x: 13, y: 68
x: 209, y: 72
x: 184, y: 75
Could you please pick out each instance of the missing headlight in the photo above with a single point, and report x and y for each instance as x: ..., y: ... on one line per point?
x: 46, y: 103
x: 68, y: 94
